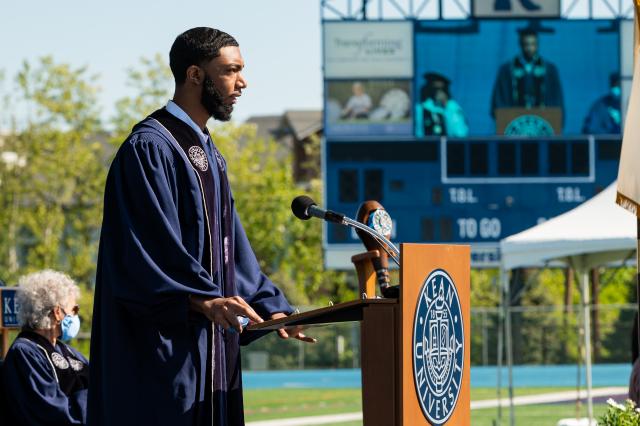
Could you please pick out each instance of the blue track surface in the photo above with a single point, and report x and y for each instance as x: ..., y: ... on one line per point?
x: 523, y: 376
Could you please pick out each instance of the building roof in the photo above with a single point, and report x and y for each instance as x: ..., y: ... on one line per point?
x: 303, y: 123
x: 297, y: 123
x: 266, y: 125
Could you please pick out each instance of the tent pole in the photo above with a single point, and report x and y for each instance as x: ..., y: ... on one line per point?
x: 509, y: 345
x: 587, y: 338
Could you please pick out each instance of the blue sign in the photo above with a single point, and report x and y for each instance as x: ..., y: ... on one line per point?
x: 438, y: 347
x: 462, y: 190
x: 9, y: 307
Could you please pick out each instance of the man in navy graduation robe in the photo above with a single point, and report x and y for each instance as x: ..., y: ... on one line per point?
x: 528, y: 80
x: 175, y: 267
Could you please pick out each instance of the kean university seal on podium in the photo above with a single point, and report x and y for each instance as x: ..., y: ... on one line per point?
x: 529, y: 125
x: 438, y: 347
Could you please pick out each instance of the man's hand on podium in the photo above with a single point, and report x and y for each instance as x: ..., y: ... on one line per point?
x: 292, y: 332
x: 224, y: 311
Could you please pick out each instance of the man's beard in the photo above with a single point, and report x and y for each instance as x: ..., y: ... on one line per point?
x: 213, y: 101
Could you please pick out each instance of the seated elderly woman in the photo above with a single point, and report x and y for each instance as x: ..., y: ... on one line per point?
x: 45, y: 380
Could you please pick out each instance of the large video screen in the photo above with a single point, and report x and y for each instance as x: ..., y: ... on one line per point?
x: 368, y: 107
x: 518, y: 77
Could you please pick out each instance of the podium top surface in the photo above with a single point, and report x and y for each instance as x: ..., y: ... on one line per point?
x: 341, y: 312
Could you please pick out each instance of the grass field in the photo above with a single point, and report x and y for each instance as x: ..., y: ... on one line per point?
x: 264, y: 404
x: 535, y: 415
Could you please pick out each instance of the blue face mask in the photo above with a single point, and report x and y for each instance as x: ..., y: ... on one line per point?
x: 70, y: 326
x: 615, y: 91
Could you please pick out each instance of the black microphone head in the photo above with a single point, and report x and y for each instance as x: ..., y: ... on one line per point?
x: 300, y: 205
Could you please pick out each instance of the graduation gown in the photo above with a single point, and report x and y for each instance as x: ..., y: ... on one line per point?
x: 170, y: 231
x: 604, y: 117
x: 434, y: 120
x: 514, y: 87
x: 45, y: 385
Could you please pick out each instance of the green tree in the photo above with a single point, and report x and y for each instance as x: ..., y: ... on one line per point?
x: 289, y: 250
x: 53, y: 173
x: 485, y: 288
x: 541, y: 333
x: 485, y: 300
x: 617, y: 286
x: 151, y: 84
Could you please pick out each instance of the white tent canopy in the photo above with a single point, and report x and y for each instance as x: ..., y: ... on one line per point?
x: 596, y: 232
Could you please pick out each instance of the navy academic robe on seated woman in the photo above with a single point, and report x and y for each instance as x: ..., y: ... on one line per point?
x: 153, y: 361
x: 45, y: 385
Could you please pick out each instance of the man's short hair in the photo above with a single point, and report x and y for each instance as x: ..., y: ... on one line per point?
x: 196, y: 47
x: 527, y: 32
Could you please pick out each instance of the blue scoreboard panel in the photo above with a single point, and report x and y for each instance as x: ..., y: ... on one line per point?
x: 413, y: 113
x: 473, y: 190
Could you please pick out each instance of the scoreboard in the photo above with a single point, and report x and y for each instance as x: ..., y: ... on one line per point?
x: 473, y: 183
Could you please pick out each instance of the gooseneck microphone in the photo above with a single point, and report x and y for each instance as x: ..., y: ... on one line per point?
x: 305, y: 208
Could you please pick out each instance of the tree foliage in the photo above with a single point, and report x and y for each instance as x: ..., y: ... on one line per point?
x: 289, y: 250
x: 151, y: 85
x: 53, y: 174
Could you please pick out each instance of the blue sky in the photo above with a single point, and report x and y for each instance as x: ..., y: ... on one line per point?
x: 279, y: 39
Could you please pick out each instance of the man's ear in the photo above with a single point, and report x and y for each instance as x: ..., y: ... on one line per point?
x: 194, y: 75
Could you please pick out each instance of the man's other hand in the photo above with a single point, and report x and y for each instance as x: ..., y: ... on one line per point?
x: 292, y: 332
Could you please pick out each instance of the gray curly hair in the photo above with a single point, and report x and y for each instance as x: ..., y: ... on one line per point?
x: 40, y: 292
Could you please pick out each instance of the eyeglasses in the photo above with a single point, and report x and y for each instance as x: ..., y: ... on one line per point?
x: 74, y: 310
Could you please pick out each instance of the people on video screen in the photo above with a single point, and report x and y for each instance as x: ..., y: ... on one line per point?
x: 359, y: 104
x: 604, y: 116
x: 437, y: 113
x: 528, y: 80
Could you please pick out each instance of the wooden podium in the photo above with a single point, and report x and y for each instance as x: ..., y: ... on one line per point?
x: 529, y: 121
x: 415, y: 348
